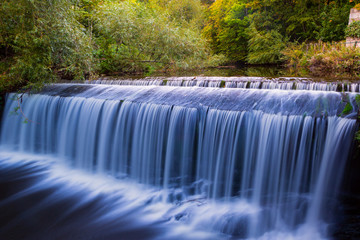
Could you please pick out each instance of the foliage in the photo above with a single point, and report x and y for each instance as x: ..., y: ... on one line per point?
x: 132, y: 37
x: 226, y: 29
x: 45, y: 40
x: 324, y: 57
x: 274, y: 23
x: 347, y: 109
x: 189, y: 13
x: 353, y: 30
x: 334, y: 21
x: 357, y: 100
x: 265, y: 47
x: 41, y: 40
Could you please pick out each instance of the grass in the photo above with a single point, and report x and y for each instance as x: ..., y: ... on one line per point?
x: 322, y: 57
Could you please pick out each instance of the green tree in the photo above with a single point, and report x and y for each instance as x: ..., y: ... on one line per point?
x: 265, y: 46
x: 226, y: 29
x: 134, y: 37
x: 41, y: 40
x: 273, y: 24
x: 353, y: 30
x: 334, y: 20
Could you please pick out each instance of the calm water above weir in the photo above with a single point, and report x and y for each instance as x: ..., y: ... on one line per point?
x: 177, y: 158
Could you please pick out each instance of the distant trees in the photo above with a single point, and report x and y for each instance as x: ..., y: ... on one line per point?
x: 226, y: 28
x: 132, y: 36
x: 274, y: 23
x: 45, y: 40
x: 75, y: 39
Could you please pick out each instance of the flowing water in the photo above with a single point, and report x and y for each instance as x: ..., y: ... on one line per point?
x: 171, y: 162
x: 241, y: 82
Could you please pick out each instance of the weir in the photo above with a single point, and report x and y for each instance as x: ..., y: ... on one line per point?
x: 239, y: 82
x: 242, y: 163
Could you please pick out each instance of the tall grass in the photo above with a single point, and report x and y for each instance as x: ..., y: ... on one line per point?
x: 325, y: 57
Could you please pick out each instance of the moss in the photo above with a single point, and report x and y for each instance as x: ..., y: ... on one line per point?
x: 348, y: 109
x: 357, y: 100
x: 222, y: 84
x: 164, y: 83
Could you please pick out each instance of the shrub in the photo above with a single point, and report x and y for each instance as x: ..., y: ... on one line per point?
x: 323, y: 57
x: 353, y: 30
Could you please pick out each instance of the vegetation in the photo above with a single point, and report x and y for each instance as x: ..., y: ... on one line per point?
x: 323, y: 57
x: 353, y: 30
x: 157, y: 39
x: 347, y: 109
x: 39, y: 41
x: 265, y: 28
x: 226, y: 29
x: 42, y: 41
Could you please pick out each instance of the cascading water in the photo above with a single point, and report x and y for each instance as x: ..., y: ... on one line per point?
x: 189, y: 163
x: 240, y: 82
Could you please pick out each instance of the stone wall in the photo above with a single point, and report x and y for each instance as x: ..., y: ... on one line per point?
x: 354, y: 16
x: 352, y: 42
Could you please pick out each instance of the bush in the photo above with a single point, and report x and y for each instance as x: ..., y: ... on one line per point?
x: 323, y: 57
x: 353, y: 30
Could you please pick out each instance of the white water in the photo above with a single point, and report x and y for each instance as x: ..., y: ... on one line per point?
x: 226, y: 162
x: 240, y: 82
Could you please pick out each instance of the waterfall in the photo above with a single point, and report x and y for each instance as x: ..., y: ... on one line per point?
x: 240, y: 82
x: 261, y: 162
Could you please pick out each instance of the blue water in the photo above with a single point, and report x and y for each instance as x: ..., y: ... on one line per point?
x: 160, y: 162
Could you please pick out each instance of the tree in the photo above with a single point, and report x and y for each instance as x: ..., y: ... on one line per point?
x: 42, y: 39
x: 134, y: 36
x: 226, y: 29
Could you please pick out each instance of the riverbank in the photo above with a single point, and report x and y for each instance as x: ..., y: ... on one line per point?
x: 322, y: 58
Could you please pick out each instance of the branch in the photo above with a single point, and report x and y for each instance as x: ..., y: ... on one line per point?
x: 19, y: 101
